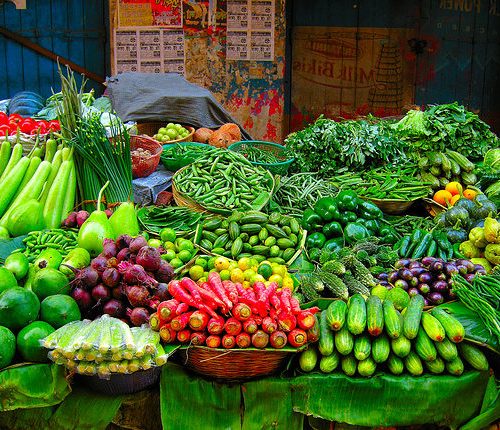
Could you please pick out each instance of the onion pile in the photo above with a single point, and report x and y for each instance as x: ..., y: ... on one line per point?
x: 430, y: 277
x: 127, y: 280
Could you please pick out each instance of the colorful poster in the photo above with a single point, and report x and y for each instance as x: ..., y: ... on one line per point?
x: 132, y: 13
x: 167, y: 12
x: 196, y: 15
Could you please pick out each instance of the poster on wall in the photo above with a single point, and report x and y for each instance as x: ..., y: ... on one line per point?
x: 150, y: 13
x: 250, y: 30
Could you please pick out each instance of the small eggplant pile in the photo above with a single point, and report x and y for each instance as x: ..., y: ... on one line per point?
x: 430, y: 277
x: 127, y: 280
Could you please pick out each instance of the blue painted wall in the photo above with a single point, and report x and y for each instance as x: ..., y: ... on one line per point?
x: 73, y: 29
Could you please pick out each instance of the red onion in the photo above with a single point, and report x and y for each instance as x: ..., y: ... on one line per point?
x: 113, y: 308
x: 82, y: 297
x: 100, y: 292
x: 123, y: 255
x: 165, y: 272
x: 137, y: 295
x: 138, y: 316
x: 108, y: 212
x: 137, y: 243
x: 149, y: 258
x: 70, y: 220
x: 111, y: 277
x: 81, y: 217
x: 99, y: 263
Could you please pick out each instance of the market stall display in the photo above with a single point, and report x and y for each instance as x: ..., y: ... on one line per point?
x: 317, y: 259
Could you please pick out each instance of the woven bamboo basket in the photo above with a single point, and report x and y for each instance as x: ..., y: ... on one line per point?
x: 233, y: 365
x: 433, y: 207
x: 391, y: 207
x: 151, y: 128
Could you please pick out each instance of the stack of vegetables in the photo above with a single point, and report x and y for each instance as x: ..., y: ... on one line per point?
x: 362, y: 336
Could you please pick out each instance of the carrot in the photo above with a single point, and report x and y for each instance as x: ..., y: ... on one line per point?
x: 232, y: 326
x: 228, y: 341
x: 269, y: 325
x: 154, y: 321
x: 232, y: 292
x: 167, y: 308
x: 209, y: 296
x: 215, y: 284
x: 313, y: 332
x: 258, y: 319
x: 259, y: 289
x: 243, y: 340
x: 294, y: 303
x: 249, y: 326
x: 184, y: 336
x: 167, y: 334
x: 275, y: 302
x: 213, y: 341
x: 268, y: 293
x: 198, y: 338
x: 305, y: 319
x: 285, y: 296
x: 198, y: 321
x: 260, y: 339
x: 215, y: 325
x: 273, y: 314
x: 179, y: 293
x: 183, y: 307
x: 242, y: 311
x: 297, y: 337
x: 180, y: 322
x: 287, y: 321
x: 278, y: 339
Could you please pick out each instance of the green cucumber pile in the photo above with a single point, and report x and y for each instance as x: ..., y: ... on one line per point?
x: 363, y: 336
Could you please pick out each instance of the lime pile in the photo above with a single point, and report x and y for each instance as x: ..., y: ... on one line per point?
x: 178, y: 251
x: 171, y: 132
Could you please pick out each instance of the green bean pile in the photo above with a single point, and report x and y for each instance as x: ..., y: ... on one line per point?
x: 185, y: 151
x: 154, y: 218
x: 223, y: 180
x: 255, y: 154
x: 56, y: 238
x: 406, y: 224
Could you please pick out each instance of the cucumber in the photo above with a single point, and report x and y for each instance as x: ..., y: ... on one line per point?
x: 401, y: 346
x: 436, y: 366
x: 356, y: 314
x: 234, y: 230
x: 336, y: 314
x: 212, y: 224
x: 381, y: 348
x: 392, y: 320
x: 308, y: 359
x: 254, y: 217
x: 424, y: 346
x: 362, y: 347
x: 412, y: 316
x: 344, y: 341
x: 276, y: 231
x: 474, y: 356
x: 367, y: 367
x: 433, y: 327
x: 349, y: 365
x: 395, y: 365
x: 251, y: 228
x: 326, y: 339
x: 330, y: 363
x: 413, y: 364
x: 446, y: 349
x: 374, y: 316
x: 453, y: 328
x: 455, y: 367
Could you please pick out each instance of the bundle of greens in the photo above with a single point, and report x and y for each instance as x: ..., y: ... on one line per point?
x: 327, y: 146
x: 446, y: 126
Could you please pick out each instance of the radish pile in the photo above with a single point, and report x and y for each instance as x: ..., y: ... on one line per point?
x: 223, y: 314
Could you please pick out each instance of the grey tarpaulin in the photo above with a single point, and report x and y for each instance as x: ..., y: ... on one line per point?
x: 147, y: 189
x: 167, y: 96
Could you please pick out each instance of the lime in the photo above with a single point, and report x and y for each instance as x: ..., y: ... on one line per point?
x: 18, y: 264
x: 196, y: 272
x: 380, y: 291
x: 169, y: 245
x: 225, y: 275
x: 170, y: 125
x: 58, y: 310
x: 185, y: 245
x: 7, y: 347
x: 168, y: 235
x: 276, y: 278
x: 169, y: 255
x: 7, y: 279
x: 274, y: 251
x: 162, y: 130
x: 200, y: 261
x: 171, y: 133
x: 176, y: 263
x: 233, y: 265
x: 244, y: 263
x: 211, y: 262
x: 221, y: 263
x: 4, y: 233
x: 265, y: 270
x: 249, y: 274
x: 184, y: 255
x: 155, y: 243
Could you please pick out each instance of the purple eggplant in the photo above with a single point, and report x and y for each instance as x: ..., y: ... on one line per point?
x: 413, y: 292
x: 384, y: 283
x: 414, y: 264
x: 481, y: 272
x: 393, y: 277
x: 441, y: 277
x: 428, y: 261
x: 462, y: 269
x: 401, y: 283
x: 451, y: 295
x: 413, y: 282
x: 469, y: 277
x: 425, y: 277
x: 405, y: 274
x: 424, y: 288
x: 416, y: 271
x: 437, y: 266
x: 440, y: 286
x: 435, y: 298
x: 383, y: 276
x: 403, y: 262
x: 426, y: 302
x: 450, y: 269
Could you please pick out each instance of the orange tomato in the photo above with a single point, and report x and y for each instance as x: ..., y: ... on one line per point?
x: 442, y: 197
x: 454, y: 199
x: 470, y: 194
x: 454, y: 188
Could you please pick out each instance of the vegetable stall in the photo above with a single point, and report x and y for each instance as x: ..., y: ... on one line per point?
x: 349, y: 275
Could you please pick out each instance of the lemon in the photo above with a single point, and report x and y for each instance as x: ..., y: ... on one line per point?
x: 244, y: 263
x: 265, y: 270
x: 279, y: 269
x: 233, y: 265
x: 196, y: 272
x: 176, y: 263
x: 288, y: 283
x: 221, y: 263
x: 184, y: 255
x: 248, y: 274
x: 169, y: 255
x: 380, y: 291
x: 211, y: 262
x: 237, y: 275
x: 203, y: 279
x: 225, y: 275
x: 200, y: 261
x: 276, y: 278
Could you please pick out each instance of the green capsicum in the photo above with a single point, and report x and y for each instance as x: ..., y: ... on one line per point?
x: 335, y: 244
x: 347, y: 217
x: 354, y: 232
x: 369, y: 210
x: 347, y: 200
x: 315, y: 240
x: 332, y: 229
x: 326, y: 208
x: 311, y: 221
x: 374, y: 226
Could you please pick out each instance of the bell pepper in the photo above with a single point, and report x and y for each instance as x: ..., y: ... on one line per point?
x: 335, y: 244
x: 492, y: 230
x: 468, y: 249
x: 332, y: 229
x: 492, y: 253
x: 347, y: 200
x: 476, y: 236
x: 369, y: 210
x: 483, y: 262
x: 390, y: 238
x: 354, y: 232
x: 311, y: 221
x: 347, y: 217
x: 374, y: 226
x: 456, y: 251
x: 315, y: 240
x: 326, y: 208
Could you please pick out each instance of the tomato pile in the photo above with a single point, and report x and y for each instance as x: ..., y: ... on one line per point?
x: 10, y: 124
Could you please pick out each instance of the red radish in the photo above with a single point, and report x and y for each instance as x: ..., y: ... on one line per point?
x: 154, y: 322
x: 82, y: 297
x: 100, y: 293
x: 88, y: 277
x: 180, y: 322
x: 137, y: 295
x: 198, y: 321
x: 184, y: 336
x: 232, y: 326
x: 167, y: 335
x: 112, y: 262
x: 81, y: 217
x: 243, y: 340
x: 138, y: 316
x: 149, y: 258
x: 287, y: 322
x: 260, y: 339
x: 166, y: 309
x: 183, y: 307
x: 242, y: 311
x: 269, y: 325
x: 109, y: 248
x: 198, y: 338
x: 137, y: 243
x: 278, y: 339
x: 313, y: 332
x: 215, y: 325
x: 213, y: 341
x: 305, y: 319
x: 232, y: 292
x: 99, y: 263
x: 215, y: 284
x: 228, y: 341
x: 118, y: 292
x: 123, y: 241
x: 114, y: 308
x: 250, y: 326
x: 297, y: 337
